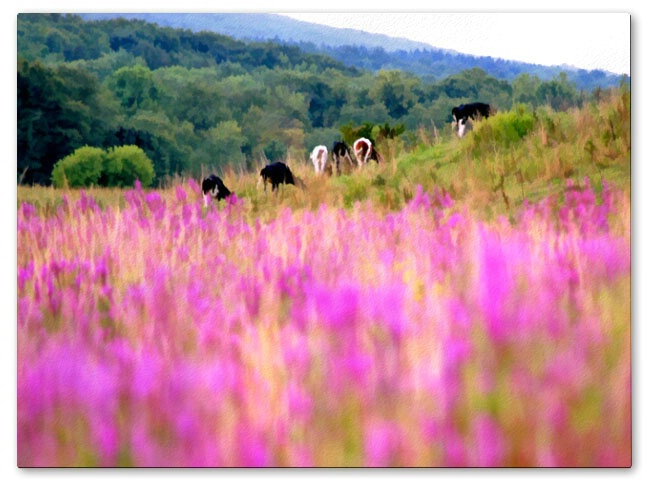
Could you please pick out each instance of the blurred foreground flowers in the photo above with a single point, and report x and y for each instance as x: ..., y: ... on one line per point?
x: 160, y: 334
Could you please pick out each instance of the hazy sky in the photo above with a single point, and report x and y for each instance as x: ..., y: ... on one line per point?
x: 584, y: 40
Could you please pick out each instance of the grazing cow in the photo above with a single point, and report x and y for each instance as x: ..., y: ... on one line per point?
x: 213, y: 186
x: 276, y: 173
x: 319, y: 157
x: 362, y: 150
x: 469, y: 111
x: 341, y: 155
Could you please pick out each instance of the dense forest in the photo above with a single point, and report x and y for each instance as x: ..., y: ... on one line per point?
x: 203, y: 101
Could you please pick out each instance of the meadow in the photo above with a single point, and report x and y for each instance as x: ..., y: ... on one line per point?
x: 466, y: 303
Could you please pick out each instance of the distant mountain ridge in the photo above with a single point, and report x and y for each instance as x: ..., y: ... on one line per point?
x: 268, y: 26
x: 361, y: 49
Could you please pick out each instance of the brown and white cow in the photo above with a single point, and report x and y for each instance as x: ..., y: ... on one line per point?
x: 319, y: 157
x: 362, y: 149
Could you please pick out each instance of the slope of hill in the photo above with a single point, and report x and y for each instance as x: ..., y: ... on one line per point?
x: 266, y: 26
x: 361, y: 49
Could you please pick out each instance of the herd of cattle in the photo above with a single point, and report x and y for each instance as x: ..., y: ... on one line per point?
x: 363, y: 150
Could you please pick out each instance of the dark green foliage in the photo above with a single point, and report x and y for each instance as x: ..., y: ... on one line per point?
x: 275, y: 150
x: 59, y: 109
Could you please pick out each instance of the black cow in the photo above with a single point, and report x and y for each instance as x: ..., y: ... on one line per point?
x: 276, y: 173
x: 472, y: 111
x: 341, y: 152
x: 213, y: 186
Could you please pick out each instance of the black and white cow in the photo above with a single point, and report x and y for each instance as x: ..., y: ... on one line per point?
x: 276, y: 173
x: 470, y: 111
x: 341, y: 156
x: 213, y: 186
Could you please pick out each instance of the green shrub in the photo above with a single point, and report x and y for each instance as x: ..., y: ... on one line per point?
x: 81, y: 168
x: 118, y: 167
x: 123, y: 165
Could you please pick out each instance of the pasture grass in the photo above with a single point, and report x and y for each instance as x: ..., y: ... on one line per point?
x: 509, y: 159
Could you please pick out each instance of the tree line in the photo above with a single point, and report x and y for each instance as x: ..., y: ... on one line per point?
x: 196, y: 101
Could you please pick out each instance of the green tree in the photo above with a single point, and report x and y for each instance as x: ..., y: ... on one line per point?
x: 242, y: 92
x: 395, y: 90
x: 200, y: 103
x: 275, y: 150
x: 525, y: 89
x: 472, y: 85
x: 166, y: 142
x: 559, y: 93
x: 219, y: 146
x: 441, y: 111
x: 374, y: 113
x: 321, y: 136
x: 134, y: 88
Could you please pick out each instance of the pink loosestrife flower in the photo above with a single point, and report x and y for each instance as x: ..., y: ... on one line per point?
x: 489, y: 449
x: 148, y: 334
x: 381, y: 444
x: 180, y: 194
x: 87, y: 203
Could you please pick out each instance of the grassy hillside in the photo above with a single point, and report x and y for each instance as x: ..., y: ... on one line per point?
x: 512, y: 157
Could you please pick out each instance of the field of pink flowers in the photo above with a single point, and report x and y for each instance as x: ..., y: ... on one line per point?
x: 165, y: 334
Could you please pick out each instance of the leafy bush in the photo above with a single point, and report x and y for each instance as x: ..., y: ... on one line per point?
x: 81, y: 168
x: 502, y: 130
x: 123, y: 165
x: 118, y: 167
